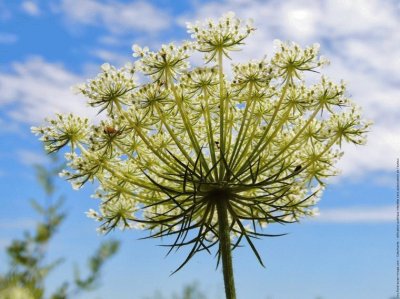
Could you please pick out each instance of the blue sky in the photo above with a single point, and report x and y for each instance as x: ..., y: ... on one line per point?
x: 348, y: 252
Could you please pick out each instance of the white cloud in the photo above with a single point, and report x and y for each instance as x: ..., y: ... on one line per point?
x: 21, y: 223
x: 355, y: 17
x: 361, y: 38
x: 116, y: 17
x: 37, y: 89
x: 4, y: 243
x: 110, y: 40
x: 10, y: 127
x: 8, y: 38
x: 111, y: 57
x: 358, y: 215
x: 387, y: 180
x: 30, y: 158
x: 31, y: 8
x: 5, y: 13
x: 380, y: 153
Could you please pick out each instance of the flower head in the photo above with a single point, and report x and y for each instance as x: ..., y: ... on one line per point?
x: 194, y: 155
x: 63, y: 130
x: 110, y: 87
x: 223, y: 36
x: 169, y: 62
x: 291, y: 60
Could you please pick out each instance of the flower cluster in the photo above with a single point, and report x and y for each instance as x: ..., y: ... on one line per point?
x: 63, y: 130
x: 165, y: 64
x: 291, y: 60
x: 208, y: 160
x: 223, y: 36
x: 109, y: 87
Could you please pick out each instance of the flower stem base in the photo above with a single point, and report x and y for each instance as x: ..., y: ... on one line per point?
x: 225, y: 248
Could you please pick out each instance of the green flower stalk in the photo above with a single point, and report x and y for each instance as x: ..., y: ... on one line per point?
x: 204, y: 157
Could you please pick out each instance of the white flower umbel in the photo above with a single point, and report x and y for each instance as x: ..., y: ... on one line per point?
x: 204, y: 159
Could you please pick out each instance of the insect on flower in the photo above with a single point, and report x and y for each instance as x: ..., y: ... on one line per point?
x: 110, y: 130
x: 297, y: 169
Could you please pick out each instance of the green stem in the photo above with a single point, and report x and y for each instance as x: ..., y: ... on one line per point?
x: 225, y: 247
x: 210, y: 135
x: 166, y: 159
x: 239, y: 141
x: 174, y: 137
x: 275, y: 158
x: 186, y: 122
x: 123, y: 176
x: 221, y: 112
x: 255, y: 152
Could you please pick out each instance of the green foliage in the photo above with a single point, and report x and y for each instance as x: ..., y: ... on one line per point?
x: 190, y: 291
x: 28, y: 266
x: 105, y: 251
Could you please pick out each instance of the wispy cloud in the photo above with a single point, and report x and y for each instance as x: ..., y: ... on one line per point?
x: 388, y: 180
x: 358, y: 215
x: 30, y: 158
x: 19, y: 223
x: 5, y: 13
x: 8, y: 38
x: 3, y: 243
x: 361, y: 38
x: 116, y: 17
x: 31, y: 8
x: 36, y: 89
x: 111, y: 57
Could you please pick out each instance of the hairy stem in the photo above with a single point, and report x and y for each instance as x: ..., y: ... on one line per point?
x: 225, y: 248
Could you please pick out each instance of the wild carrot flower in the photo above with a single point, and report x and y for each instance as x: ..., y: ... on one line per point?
x: 205, y: 159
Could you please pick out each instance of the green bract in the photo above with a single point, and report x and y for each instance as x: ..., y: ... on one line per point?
x: 202, y: 157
